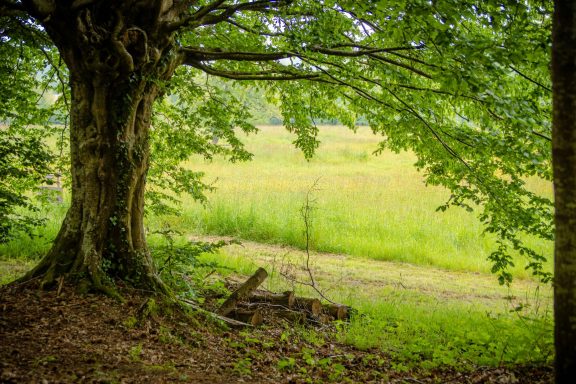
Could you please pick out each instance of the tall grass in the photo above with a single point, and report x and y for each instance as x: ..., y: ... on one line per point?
x: 30, y: 247
x: 368, y: 208
x: 365, y: 205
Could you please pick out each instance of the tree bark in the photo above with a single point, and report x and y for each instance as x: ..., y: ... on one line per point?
x: 564, y: 165
x: 115, y: 68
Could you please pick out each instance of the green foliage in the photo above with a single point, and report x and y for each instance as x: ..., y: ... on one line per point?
x: 27, y: 81
x: 192, y: 119
x: 24, y: 163
x: 464, y: 85
x: 243, y: 366
x: 287, y: 363
x: 135, y: 352
x: 177, y: 260
x: 451, y: 338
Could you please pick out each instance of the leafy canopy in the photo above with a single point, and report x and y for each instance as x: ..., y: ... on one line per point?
x: 464, y: 85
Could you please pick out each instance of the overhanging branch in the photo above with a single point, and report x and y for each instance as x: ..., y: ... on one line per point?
x: 193, y: 55
x: 216, y: 12
x: 530, y: 79
x: 270, y: 75
x: 399, y: 64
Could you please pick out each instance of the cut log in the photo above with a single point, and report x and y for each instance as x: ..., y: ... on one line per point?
x: 285, y: 299
x: 292, y: 316
x: 313, y: 306
x: 338, y: 311
x: 251, y: 317
x: 325, y: 319
x: 243, y: 292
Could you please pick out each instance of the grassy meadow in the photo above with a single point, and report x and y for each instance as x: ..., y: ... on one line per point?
x: 363, y: 205
x: 419, y: 278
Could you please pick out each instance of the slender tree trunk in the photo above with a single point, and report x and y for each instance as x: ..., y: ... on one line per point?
x: 564, y: 163
x: 117, y: 54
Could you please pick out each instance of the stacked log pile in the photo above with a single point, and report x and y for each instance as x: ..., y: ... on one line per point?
x: 251, y: 306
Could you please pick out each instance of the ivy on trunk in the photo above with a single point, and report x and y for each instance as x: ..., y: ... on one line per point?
x: 115, y: 68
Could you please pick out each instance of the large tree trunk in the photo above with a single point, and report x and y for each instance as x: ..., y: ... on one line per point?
x: 564, y: 160
x: 116, y: 58
x: 103, y: 232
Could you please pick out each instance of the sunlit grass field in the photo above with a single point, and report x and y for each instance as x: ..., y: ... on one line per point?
x: 367, y: 209
x: 363, y: 205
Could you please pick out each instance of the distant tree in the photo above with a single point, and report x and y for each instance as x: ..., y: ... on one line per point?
x: 564, y: 155
x: 464, y: 85
x: 24, y: 158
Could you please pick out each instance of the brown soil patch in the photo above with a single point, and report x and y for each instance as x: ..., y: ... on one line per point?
x: 72, y: 338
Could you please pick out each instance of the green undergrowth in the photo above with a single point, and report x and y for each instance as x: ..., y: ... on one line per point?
x: 425, y: 323
x: 33, y: 246
x: 422, y: 318
x: 433, y: 336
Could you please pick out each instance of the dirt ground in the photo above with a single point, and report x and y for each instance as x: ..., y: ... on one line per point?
x: 64, y: 337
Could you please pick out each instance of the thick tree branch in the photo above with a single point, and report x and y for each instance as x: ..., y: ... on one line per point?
x: 368, y: 47
x: 351, y: 53
x: 207, y: 9
x: 216, y: 12
x: 193, y: 55
x: 399, y: 64
x: 271, y: 75
x: 78, y: 4
x: 195, y: 17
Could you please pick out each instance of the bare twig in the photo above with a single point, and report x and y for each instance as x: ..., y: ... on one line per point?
x: 306, y: 213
